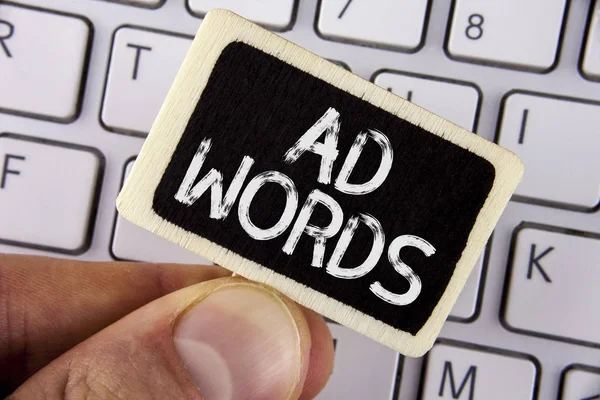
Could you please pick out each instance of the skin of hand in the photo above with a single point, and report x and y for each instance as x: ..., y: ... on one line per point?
x: 119, y: 330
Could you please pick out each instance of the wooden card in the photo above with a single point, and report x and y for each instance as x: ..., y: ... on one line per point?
x: 291, y: 171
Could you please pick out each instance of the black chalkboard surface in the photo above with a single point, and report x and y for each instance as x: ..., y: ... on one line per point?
x: 291, y: 171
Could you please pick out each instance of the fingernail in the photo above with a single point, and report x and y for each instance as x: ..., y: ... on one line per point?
x: 241, y: 342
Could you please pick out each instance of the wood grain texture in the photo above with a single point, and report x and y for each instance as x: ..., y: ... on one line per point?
x: 137, y: 200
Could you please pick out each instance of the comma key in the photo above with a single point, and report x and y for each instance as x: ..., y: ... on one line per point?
x: 43, y: 58
x: 48, y: 193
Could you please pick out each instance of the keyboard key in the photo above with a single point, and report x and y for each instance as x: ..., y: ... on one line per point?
x: 557, y: 140
x: 383, y: 23
x: 363, y: 369
x: 580, y: 382
x: 465, y: 307
x: 463, y: 371
x: 512, y: 33
x: 143, y: 65
x: 130, y: 242
x: 456, y: 101
x: 591, y: 59
x: 48, y: 193
x: 552, y: 284
x: 275, y: 14
x: 43, y: 59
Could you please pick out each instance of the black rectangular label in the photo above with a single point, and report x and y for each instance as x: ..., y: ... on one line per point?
x: 389, y: 206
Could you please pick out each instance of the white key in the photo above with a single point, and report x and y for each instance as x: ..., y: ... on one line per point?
x: 462, y: 371
x: 275, y: 14
x: 141, y: 3
x: 130, y: 242
x: 48, y: 192
x: 455, y: 101
x: 466, y: 305
x: 557, y: 140
x: 363, y: 369
x: 142, y: 68
x: 554, y: 282
x: 393, y: 24
x: 43, y: 56
x: 514, y: 33
x: 591, y: 59
x: 581, y: 382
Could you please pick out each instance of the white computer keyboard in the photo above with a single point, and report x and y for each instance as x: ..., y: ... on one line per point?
x: 82, y: 80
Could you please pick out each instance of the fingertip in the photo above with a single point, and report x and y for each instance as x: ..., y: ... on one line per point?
x: 320, y: 365
x: 244, y: 340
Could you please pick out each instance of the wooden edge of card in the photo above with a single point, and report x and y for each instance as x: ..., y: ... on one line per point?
x: 221, y: 27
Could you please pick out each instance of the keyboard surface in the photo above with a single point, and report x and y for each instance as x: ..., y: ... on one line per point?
x: 81, y: 82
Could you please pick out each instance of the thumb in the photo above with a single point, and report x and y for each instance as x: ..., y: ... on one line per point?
x: 222, y: 339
